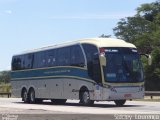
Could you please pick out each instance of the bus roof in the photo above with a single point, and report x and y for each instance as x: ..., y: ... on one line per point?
x: 108, y: 42
x: 99, y: 42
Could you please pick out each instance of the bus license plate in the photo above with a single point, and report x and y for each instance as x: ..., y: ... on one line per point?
x: 127, y: 95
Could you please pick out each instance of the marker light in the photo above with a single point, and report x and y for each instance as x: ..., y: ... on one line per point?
x: 102, y: 50
x: 113, y: 89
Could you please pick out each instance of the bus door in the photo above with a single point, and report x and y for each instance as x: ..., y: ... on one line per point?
x: 94, y: 68
x: 93, y: 63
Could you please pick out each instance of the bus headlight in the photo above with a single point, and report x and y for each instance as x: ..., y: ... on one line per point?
x: 141, y: 88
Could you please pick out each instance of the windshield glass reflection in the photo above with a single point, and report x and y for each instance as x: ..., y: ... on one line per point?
x: 123, y: 65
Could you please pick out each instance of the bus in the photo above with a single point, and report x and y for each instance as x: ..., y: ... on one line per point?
x: 88, y: 70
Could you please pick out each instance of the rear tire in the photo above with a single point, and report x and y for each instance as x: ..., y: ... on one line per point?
x: 32, y: 96
x: 25, y: 96
x: 120, y: 103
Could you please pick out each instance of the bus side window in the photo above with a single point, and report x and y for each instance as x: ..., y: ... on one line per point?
x: 93, y: 64
x: 28, y: 61
x: 38, y: 60
x: 63, y: 56
x: 16, y: 63
x: 19, y: 63
x: 35, y: 61
x: 77, y: 58
x: 51, y: 58
x: 22, y: 63
x: 42, y: 59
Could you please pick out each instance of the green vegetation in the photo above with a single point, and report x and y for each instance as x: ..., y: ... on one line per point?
x: 5, y: 77
x: 5, y: 81
x: 143, y: 30
x: 148, y: 99
x: 5, y: 88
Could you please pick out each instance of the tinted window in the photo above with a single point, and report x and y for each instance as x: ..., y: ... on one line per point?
x: 36, y: 62
x: 77, y: 58
x: 51, y: 58
x: 93, y: 63
x: 63, y: 56
x: 39, y: 60
x: 22, y: 62
x: 16, y: 63
x: 28, y: 61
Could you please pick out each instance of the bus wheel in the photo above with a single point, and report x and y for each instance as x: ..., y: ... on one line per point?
x: 32, y: 96
x: 85, y: 98
x: 25, y: 96
x: 58, y: 101
x: 120, y: 102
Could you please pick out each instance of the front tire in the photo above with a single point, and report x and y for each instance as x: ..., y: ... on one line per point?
x: 120, y: 103
x: 25, y: 96
x: 85, y: 99
x: 32, y: 96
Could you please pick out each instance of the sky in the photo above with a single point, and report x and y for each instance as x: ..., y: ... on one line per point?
x: 29, y: 24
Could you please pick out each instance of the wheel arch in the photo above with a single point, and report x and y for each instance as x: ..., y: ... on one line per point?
x: 31, y: 88
x: 82, y: 89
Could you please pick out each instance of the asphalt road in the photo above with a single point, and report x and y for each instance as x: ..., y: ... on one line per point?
x: 15, y: 109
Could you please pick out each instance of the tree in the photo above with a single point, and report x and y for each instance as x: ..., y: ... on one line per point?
x: 149, y: 11
x: 132, y: 27
x: 143, y: 30
x: 5, y: 77
x: 104, y: 36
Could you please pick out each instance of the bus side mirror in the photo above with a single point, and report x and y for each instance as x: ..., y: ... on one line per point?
x: 148, y: 56
x: 149, y: 60
x: 103, y: 59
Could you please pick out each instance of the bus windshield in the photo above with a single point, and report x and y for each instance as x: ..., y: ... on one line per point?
x: 123, y: 65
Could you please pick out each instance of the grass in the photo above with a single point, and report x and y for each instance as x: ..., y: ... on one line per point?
x: 5, y: 87
x: 148, y: 98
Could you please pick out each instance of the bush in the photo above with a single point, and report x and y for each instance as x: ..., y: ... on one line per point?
x: 5, y: 87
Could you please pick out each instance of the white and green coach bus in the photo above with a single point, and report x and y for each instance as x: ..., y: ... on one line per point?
x: 98, y: 69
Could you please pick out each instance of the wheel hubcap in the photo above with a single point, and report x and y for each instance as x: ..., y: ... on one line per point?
x: 32, y: 96
x: 25, y: 96
x: 85, y: 97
